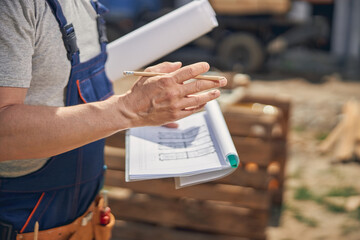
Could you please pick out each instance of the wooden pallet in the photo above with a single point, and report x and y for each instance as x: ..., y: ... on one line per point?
x: 154, y: 208
x: 261, y: 140
x: 234, y: 207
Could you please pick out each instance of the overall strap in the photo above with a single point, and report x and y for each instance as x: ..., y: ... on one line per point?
x: 100, y: 11
x: 68, y: 32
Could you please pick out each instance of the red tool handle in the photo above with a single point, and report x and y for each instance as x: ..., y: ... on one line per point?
x: 105, y: 216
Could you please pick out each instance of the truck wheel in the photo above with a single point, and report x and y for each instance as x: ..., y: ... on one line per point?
x: 241, y: 52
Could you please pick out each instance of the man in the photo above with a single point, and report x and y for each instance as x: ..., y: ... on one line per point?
x: 56, y: 106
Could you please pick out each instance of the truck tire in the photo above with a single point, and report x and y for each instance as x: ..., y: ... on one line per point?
x: 241, y: 52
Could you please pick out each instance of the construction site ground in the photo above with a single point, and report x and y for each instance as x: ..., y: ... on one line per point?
x: 321, y: 198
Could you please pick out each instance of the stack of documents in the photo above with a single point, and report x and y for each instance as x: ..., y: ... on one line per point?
x: 200, y: 150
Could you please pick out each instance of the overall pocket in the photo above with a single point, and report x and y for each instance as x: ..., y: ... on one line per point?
x: 97, y: 87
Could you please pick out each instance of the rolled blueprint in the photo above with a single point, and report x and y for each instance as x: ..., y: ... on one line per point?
x: 159, y: 38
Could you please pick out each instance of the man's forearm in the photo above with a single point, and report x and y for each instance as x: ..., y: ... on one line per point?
x: 40, y: 131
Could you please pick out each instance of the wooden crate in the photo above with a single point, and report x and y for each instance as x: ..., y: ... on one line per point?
x: 232, y: 208
x: 155, y: 209
x: 248, y: 7
x: 261, y: 140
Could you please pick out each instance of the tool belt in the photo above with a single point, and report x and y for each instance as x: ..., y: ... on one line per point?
x: 86, y: 227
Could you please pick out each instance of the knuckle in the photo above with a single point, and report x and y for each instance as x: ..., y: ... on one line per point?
x: 215, y: 84
x: 190, y: 72
x: 159, y: 67
x: 173, y: 94
x: 164, y: 82
x: 167, y: 64
x: 176, y: 94
x: 149, y: 69
x: 169, y: 95
x: 197, y: 101
x: 198, y: 86
x: 173, y: 108
x: 174, y: 115
x: 176, y: 77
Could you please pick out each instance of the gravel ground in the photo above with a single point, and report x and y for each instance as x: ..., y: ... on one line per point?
x: 318, y: 193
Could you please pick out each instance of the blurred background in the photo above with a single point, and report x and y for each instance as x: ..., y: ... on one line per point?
x: 294, y: 71
x: 313, y: 37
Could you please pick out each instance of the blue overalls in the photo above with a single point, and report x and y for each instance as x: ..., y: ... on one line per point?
x: 65, y: 187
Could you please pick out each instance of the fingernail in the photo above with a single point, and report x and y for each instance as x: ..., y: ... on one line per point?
x: 223, y: 81
x: 215, y: 91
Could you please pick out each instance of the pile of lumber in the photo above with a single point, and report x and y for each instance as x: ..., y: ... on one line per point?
x: 344, y: 140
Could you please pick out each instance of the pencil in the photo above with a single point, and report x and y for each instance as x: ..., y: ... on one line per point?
x: 152, y: 74
x: 36, y: 230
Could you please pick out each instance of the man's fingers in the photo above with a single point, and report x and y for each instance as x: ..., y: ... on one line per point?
x: 171, y: 125
x: 165, y: 67
x: 195, y: 108
x: 190, y: 71
x: 202, y: 85
x: 198, y: 100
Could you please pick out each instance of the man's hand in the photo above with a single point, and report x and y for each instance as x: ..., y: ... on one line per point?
x: 162, y: 99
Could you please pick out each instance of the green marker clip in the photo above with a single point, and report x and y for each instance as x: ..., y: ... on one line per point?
x: 233, y: 160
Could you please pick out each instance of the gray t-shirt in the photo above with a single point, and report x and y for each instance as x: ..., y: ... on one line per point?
x: 33, y: 56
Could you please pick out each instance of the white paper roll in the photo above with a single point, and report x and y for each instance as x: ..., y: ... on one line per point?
x: 159, y: 38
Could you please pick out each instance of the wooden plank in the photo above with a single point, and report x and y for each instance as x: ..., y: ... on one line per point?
x: 115, y: 160
x: 258, y: 179
x: 357, y: 150
x: 357, y: 144
x: 249, y: 125
x: 116, y: 140
x: 131, y: 230
x: 279, y: 101
x: 254, y: 150
x: 188, y: 213
x: 244, y: 7
x: 345, y: 147
x: 246, y: 197
x: 320, y: 1
x: 280, y: 156
x: 333, y: 136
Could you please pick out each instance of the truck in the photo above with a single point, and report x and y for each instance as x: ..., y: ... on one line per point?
x: 249, y: 31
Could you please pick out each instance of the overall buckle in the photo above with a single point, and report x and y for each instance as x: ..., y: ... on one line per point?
x: 69, y: 37
x: 6, y: 231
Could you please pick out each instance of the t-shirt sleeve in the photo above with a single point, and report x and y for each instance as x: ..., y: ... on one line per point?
x: 17, y: 41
